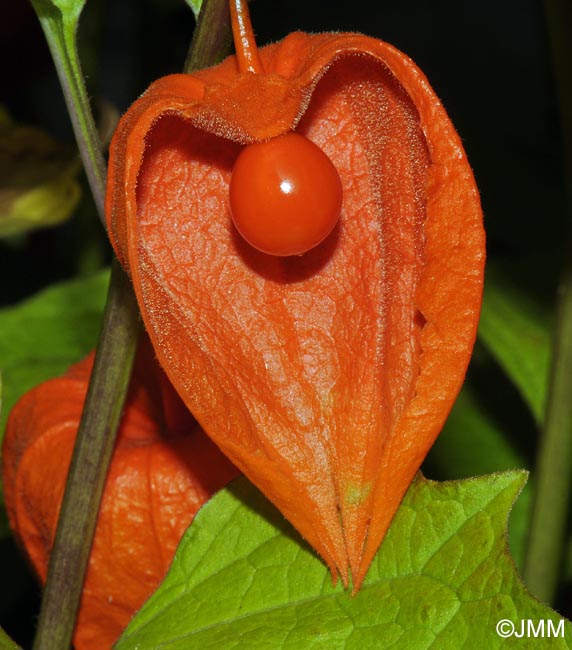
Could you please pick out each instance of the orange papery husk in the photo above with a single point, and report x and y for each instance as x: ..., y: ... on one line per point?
x: 163, y: 469
x: 327, y: 377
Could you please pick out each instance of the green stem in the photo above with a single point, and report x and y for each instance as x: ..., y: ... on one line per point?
x: 212, y: 38
x: 117, y: 344
x: 88, y: 469
x: 111, y: 372
x: 553, y: 474
x: 112, y: 365
x: 553, y: 477
x: 60, y: 28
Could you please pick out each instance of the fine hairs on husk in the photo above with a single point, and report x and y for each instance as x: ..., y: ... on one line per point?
x: 325, y: 378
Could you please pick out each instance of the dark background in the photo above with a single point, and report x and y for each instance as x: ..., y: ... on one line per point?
x: 488, y: 61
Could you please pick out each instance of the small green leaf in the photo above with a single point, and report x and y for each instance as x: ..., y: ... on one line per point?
x: 517, y: 333
x: 195, y: 6
x: 442, y: 579
x: 38, y: 179
x: 6, y: 642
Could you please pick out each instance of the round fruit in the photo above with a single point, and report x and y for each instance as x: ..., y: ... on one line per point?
x: 285, y: 195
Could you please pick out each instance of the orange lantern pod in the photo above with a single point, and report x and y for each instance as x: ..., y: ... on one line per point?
x: 163, y: 469
x: 324, y: 376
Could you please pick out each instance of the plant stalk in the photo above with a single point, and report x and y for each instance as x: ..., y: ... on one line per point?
x: 212, y: 38
x: 88, y: 470
x: 60, y: 28
x: 116, y: 348
x: 553, y: 476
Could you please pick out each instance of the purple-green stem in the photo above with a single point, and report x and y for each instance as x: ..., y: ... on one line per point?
x: 60, y: 28
x: 212, y: 38
x: 118, y: 339
x: 553, y: 472
x: 92, y: 453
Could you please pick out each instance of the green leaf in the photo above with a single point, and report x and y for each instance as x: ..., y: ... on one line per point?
x: 442, y: 579
x: 517, y: 333
x: 6, y: 642
x: 471, y: 444
x: 38, y: 184
x: 195, y: 6
x: 41, y: 337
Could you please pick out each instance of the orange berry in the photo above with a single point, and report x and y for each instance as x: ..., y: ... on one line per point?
x: 285, y: 195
